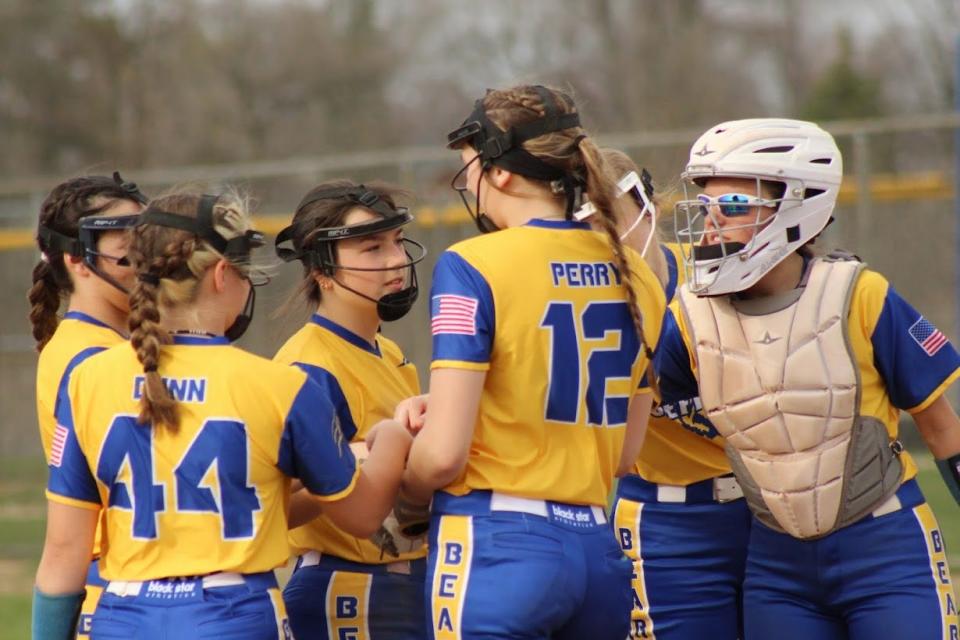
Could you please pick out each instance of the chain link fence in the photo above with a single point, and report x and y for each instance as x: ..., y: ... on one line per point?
x: 897, y: 212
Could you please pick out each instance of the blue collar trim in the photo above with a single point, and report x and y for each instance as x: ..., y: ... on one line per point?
x: 200, y: 340
x: 346, y: 334
x: 557, y: 224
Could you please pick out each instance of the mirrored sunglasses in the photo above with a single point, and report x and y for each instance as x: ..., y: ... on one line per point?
x: 734, y: 204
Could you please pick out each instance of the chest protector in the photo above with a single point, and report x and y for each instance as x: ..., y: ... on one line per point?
x: 779, y: 380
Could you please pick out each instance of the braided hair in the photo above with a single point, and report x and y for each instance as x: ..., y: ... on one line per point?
x: 169, y: 264
x: 61, y: 211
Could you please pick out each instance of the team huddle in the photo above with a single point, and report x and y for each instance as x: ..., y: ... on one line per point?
x: 736, y: 391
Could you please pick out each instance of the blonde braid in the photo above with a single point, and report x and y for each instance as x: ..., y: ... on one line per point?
x: 147, y: 335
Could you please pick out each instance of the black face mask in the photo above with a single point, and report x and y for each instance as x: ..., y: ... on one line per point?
x: 242, y: 322
x: 319, y: 253
x: 482, y: 220
x: 84, y: 246
x: 393, y: 306
x: 236, y: 250
x: 505, y: 150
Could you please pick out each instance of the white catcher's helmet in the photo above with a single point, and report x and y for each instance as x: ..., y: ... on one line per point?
x: 800, y: 155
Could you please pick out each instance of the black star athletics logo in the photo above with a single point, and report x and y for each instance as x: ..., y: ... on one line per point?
x: 704, y: 151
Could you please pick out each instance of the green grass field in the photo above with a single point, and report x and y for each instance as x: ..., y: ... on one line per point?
x: 22, y: 508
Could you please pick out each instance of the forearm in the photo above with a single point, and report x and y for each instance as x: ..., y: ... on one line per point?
x: 62, y: 571
x: 303, y: 508
x: 637, y: 417
x: 67, y: 549
x: 383, y: 469
x: 416, y: 489
x: 939, y: 427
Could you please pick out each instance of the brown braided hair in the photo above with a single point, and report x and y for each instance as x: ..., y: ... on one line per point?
x: 572, y: 151
x: 61, y: 211
x: 169, y: 264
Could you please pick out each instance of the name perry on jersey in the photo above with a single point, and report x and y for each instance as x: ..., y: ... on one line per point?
x: 584, y: 274
x: 183, y: 389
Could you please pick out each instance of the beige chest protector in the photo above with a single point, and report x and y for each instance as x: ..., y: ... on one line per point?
x: 779, y: 380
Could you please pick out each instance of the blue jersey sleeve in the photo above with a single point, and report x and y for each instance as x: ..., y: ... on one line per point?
x: 65, y: 378
x: 671, y: 362
x: 680, y: 393
x: 313, y: 447
x: 461, y: 312
x: 70, y: 474
x: 672, y: 273
x: 331, y: 385
x: 914, y: 358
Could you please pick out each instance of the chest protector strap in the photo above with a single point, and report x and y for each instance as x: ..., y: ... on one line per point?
x: 780, y: 381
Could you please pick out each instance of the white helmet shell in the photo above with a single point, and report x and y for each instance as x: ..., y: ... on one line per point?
x: 801, y: 156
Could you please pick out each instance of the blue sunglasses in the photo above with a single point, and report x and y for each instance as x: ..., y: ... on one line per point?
x: 734, y: 204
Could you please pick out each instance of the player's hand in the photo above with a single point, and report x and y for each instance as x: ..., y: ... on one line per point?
x: 412, y: 413
x: 389, y: 432
x: 405, y: 528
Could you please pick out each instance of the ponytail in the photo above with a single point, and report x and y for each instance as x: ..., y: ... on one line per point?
x: 602, y: 193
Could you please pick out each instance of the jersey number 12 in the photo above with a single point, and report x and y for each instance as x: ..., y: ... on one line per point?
x: 571, y: 341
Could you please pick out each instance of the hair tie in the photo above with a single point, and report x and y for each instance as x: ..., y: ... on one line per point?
x: 130, y: 188
x: 149, y: 278
x: 150, y: 368
x: 576, y: 141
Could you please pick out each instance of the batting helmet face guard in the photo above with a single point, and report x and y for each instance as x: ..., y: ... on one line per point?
x: 798, y: 155
x: 505, y: 150
x: 317, y: 251
x: 84, y: 246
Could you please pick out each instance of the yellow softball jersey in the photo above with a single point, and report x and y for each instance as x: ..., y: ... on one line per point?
x: 365, y: 382
x: 541, y: 308
x: 78, y: 336
x: 681, y: 447
x: 212, y: 495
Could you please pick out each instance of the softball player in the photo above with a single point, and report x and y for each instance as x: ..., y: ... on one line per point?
x: 541, y: 332
x: 82, y: 237
x: 803, y: 363
x: 192, y: 468
x: 357, y: 274
x: 679, y: 514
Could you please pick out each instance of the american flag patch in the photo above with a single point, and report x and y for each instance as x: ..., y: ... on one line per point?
x: 56, y: 448
x: 927, y: 336
x: 454, y: 314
